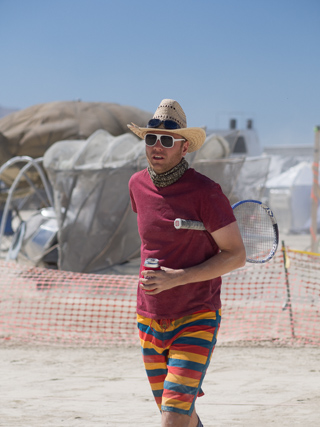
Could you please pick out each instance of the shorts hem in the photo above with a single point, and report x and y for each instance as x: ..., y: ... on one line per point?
x: 177, y: 410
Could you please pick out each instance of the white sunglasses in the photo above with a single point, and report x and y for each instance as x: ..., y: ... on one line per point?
x: 167, y: 141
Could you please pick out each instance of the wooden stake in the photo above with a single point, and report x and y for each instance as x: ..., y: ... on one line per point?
x: 315, y: 193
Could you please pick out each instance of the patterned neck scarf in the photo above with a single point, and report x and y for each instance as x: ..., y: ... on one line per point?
x: 169, y: 177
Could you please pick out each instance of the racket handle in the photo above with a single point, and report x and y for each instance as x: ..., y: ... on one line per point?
x: 188, y: 224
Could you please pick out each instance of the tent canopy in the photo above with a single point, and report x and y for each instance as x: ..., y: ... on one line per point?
x: 300, y: 174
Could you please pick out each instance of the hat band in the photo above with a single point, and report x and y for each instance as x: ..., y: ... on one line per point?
x: 168, y: 124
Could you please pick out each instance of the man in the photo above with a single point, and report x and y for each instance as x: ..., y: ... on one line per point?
x: 178, y: 306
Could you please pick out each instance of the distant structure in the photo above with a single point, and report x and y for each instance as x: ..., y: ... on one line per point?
x: 242, y: 142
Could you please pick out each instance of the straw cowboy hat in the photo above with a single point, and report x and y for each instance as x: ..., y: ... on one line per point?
x: 171, y: 117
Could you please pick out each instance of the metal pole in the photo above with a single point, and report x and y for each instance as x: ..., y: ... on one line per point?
x: 315, y: 193
x: 288, y: 300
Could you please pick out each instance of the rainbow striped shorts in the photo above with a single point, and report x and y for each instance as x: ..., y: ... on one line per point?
x: 176, y: 355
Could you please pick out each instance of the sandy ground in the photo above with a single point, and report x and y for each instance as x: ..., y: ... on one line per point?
x: 49, y: 386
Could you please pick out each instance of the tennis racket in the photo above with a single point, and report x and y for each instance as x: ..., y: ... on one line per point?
x: 258, y: 227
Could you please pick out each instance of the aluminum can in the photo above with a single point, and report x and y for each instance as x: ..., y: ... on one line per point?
x: 151, y: 264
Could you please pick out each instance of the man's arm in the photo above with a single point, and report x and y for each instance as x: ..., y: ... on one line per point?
x: 232, y: 255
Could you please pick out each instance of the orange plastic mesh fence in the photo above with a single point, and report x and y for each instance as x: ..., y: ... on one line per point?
x: 271, y: 303
x: 261, y: 303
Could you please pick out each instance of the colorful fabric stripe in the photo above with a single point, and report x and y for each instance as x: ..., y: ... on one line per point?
x: 176, y: 355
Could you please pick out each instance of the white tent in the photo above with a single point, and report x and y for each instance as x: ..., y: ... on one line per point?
x: 97, y: 227
x: 289, y: 196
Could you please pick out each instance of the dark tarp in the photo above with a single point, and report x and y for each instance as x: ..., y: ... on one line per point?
x: 30, y: 132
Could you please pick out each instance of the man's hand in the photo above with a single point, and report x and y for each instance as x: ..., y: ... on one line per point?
x: 156, y: 281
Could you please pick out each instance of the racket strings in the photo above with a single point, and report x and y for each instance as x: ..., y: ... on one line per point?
x: 256, y: 228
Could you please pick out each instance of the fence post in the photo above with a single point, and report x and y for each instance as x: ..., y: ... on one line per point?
x: 315, y: 193
x: 288, y: 300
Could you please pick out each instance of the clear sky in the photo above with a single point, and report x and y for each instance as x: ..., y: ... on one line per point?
x: 220, y: 59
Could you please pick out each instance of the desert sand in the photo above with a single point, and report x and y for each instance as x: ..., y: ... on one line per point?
x: 257, y: 386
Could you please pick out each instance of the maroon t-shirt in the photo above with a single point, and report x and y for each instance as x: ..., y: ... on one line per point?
x: 196, y: 197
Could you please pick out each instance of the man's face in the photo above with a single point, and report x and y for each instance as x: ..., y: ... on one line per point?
x: 163, y: 159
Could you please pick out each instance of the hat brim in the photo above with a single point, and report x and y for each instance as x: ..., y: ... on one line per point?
x: 195, y: 136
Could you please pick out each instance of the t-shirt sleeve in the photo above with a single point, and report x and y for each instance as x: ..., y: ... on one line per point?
x: 216, y: 211
x: 133, y: 203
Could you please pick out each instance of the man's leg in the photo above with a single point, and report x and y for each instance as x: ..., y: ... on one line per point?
x: 154, y: 355
x: 176, y: 359
x: 174, y: 419
x: 188, y: 359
